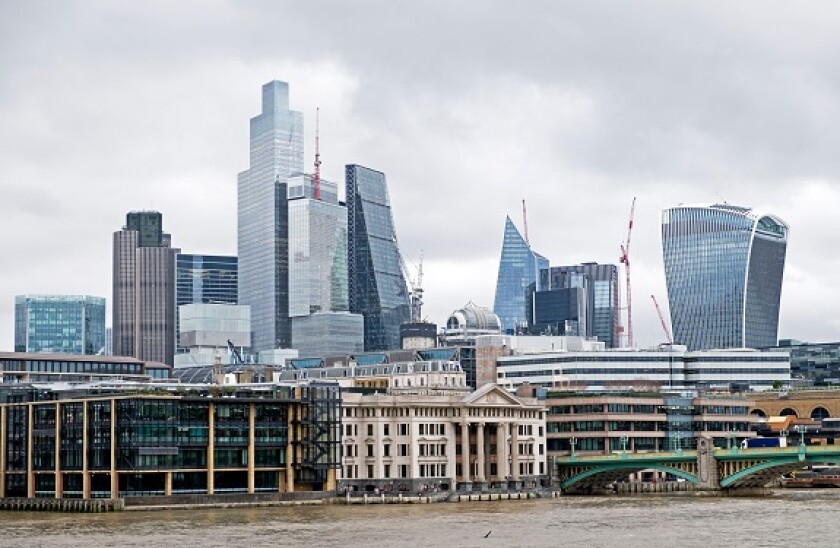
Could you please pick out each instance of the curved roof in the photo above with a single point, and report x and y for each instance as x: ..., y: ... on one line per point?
x: 472, y: 316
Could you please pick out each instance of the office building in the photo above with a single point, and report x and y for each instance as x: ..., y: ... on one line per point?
x: 276, y: 151
x: 602, y: 307
x: 323, y: 334
x: 109, y: 440
x: 603, y: 423
x: 144, y: 289
x: 723, y: 268
x: 70, y: 324
x: 422, y: 441
x: 667, y: 367
x: 376, y: 286
x: 520, y: 275
x: 43, y: 367
x: 208, y: 330
x: 462, y: 329
x: 560, y: 312
x: 317, y: 248
x: 204, y: 279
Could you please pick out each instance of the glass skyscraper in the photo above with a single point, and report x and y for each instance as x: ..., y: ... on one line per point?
x: 724, y: 267
x: 519, y: 276
x: 317, y: 248
x: 263, y: 223
x: 67, y: 324
x: 376, y: 286
x: 601, y: 284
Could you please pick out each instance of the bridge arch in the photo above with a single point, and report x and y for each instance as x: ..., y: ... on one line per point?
x: 761, y: 473
x: 601, y: 476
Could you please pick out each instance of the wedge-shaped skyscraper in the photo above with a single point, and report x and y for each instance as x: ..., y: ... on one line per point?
x: 519, y: 276
x: 377, y: 287
x: 724, y: 267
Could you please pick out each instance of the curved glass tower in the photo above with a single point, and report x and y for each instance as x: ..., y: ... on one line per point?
x: 724, y: 267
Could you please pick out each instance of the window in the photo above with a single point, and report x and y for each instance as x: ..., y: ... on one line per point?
x: 403, y: 429
x: 386, y: 428
x: 403, y: 450
x: 370, y: 450
x: 386, y: 450
x: 370, y: 471
x: 370, y: 429
x: 387, y: 471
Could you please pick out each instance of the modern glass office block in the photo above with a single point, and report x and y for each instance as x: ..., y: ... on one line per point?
x: 317, y: 249
x: 263, y: 229
x: 376, y: 286
x: 724, y: 267
x: 601, y: 283
x: 67, y: 324
x: 519, y: 276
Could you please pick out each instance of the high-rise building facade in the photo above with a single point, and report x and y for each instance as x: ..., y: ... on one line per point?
x: 65, y: 324
x: 276, y: 137
x: 204, y: 279
x: 317, y: 248
x: 519, y: 277
x: 724, y: 267
x: 601, y: 284
x: 144, y: 289
x: 376, y: 286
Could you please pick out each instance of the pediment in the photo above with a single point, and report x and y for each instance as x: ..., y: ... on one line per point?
x: 491, y: 395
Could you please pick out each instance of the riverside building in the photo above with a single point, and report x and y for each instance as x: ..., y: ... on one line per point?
x: 109, y: 440
x: 668, y: 367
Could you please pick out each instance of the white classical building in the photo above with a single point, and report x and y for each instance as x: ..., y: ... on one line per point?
x: 439, y: 440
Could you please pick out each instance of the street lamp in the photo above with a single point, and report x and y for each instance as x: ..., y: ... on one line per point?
x: 729, y: 436
x: 573, y: 443
x: 678, y: 442
x: 801, y: 429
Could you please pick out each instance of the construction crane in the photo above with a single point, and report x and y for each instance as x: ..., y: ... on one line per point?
x: 662, y: 320
x: 235, y: 356
x: 625, y: 260
x: 415, y: 294
x: 316, y: 177
x: 525, y: 224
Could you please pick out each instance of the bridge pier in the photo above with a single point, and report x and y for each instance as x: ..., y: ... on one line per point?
x: 707, y: 469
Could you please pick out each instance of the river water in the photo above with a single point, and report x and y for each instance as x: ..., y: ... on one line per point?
x: 791, y: 518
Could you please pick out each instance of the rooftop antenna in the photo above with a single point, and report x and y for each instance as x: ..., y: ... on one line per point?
x: 525, y: 224
x: 316, y: 179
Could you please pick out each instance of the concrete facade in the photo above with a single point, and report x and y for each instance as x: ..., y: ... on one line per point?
x: 403, y: 442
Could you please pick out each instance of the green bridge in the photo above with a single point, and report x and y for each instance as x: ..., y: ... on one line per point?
x: 709, y: 468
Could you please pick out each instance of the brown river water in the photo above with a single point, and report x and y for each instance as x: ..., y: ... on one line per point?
x: 792, y: 518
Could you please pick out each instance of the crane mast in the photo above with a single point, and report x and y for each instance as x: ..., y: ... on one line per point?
x: 625, y: 260
x: 662, y: 321
x: 316, y: 177
x: 525, y: 224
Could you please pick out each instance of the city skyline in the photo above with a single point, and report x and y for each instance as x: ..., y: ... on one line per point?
x: 747, y: 121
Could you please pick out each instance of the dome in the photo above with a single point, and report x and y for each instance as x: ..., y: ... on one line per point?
x: 474, y: 317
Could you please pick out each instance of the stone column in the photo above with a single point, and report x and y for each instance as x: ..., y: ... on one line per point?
x: 291, y: 435
x: 59, y: 484
x: 514, y: 451
x: 451, y: 461
x: 30, y: 474
x: 479, y: 452
x: 3, y: 452
x: 115, y: 480
x: 167, y: 484
x: 85, y: 471
x: 211, y: 448
x: 465, y: 452
x: 414, y: 453
x: 501, y: 452
x: 378, y: 450
x: 252, y: 418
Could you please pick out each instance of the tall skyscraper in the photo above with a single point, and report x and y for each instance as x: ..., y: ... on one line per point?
x: 601, y: 284
x: 263, y: 222
x: 519, y: 275
x: 67, y: 324
x: 204, y: 279
x: 144, y: 289
x: 724, y: 267
x: 376, y: 286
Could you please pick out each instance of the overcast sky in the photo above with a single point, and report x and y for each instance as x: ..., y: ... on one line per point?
x: 468, y: 107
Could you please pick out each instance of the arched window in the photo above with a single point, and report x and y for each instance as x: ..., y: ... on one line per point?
x: 759, y: 413
x: 787, y: 411
x: 820, y: 413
